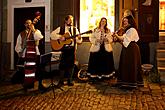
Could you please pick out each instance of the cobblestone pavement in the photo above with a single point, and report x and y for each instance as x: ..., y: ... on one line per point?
x: 83, y: 96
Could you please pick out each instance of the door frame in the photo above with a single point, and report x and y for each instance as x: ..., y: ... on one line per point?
x: 12, y: 4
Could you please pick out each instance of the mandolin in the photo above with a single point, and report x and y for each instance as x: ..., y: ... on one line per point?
x: 121, y: 31
x: 58, y: 45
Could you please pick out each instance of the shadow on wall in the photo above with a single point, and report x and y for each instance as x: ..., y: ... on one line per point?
x: 116, y: 54
x: 82, y: 54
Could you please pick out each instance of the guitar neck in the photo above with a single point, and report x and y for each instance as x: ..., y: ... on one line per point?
x: 73, y: 36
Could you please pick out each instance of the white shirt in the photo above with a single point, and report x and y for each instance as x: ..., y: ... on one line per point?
x: 37, y: 36
x: 130, y: 35
x: 95, y: 47
x: 55, y: 34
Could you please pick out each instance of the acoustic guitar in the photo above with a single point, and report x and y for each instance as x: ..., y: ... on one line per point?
x: 58, y: 45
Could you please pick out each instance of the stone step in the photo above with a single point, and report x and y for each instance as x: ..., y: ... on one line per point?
x: 161, y: 56
x: 161, y: 45
x: 161, y: 38
x: 161, y: 62
x: 162, y: 77
x: 161, y: 34
x: 161, y: 71
x: 160, y: 53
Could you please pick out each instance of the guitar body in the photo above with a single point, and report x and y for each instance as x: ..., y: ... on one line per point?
x: 58, y: 45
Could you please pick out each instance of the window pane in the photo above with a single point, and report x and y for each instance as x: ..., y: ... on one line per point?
x: 162, y: 15
x: 91, y: 11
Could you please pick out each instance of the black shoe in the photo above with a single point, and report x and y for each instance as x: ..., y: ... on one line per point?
x: 61, y: 83
x: 116, y: 85
x: 70, y: 83
x: 42, y: 89
x: 125, y: 87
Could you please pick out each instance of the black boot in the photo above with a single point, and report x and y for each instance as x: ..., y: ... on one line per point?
x: 41, y: 88
x: 70, y: 83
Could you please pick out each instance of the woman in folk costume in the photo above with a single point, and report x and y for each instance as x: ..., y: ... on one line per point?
x: 130, y: 59
x: 101, y: 63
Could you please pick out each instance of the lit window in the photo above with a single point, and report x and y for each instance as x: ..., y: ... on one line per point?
x: 162, y: 15
x: 91, y: 11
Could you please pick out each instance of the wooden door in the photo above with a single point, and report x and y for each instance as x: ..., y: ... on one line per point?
x: 148, y: 25
x: 22, y: 14
x: 149, y: 21
x: 1, y: 65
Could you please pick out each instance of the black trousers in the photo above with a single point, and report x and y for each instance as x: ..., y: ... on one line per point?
x: 67, y: 62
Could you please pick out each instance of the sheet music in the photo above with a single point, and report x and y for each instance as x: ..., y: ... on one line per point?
x: 56, y: 56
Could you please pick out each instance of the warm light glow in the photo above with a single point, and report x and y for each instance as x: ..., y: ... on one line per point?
x: 162, y: 15
x: 30, y: 63
x: 30, y: 75
x: 91, y: 11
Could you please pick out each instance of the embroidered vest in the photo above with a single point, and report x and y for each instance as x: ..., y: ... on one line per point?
x: 62, y: 30
x: 24, y: 38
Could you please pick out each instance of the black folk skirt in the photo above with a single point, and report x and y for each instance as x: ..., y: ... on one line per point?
x: 101, y: 62
x: 130, y: 72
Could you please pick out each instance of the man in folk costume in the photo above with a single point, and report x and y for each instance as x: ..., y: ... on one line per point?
x: 21, y: 45
x: 68, y: 51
